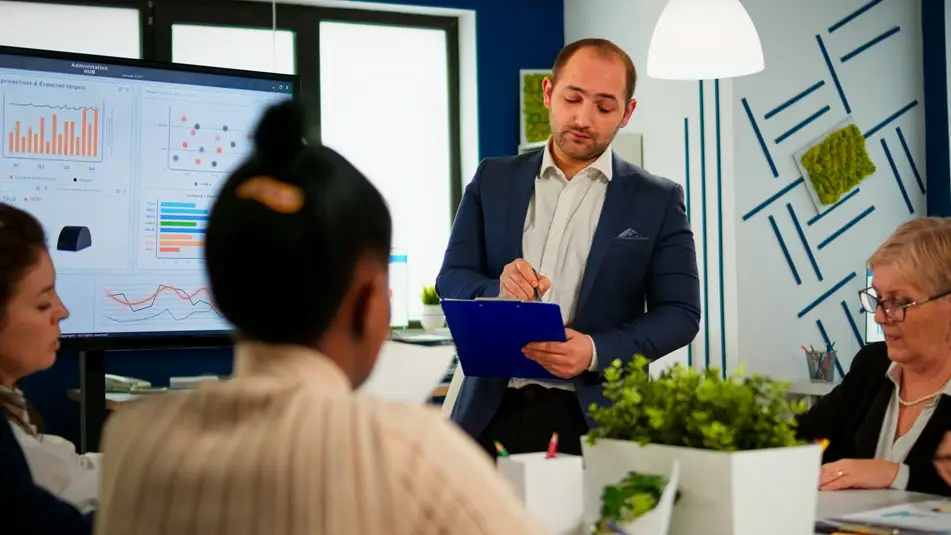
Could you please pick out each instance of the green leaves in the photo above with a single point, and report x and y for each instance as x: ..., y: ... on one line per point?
x: 694, y: 409
x: 633, y: 496
x: 429, y: 296
x: 838, y: 163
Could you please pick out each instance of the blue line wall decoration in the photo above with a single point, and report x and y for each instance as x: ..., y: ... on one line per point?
x: 805, y: 242
x: 870, y: 44
x: 716, y: 97
x: 759, y: 136
x: 825, y: 60
x: 802, y: 124
x: 815, y: 219
x: 805, y: 93
x: 703, y: 238
x: 782, y: 245
x: 845, y: 227
x: 835, y: 77
x: 911, y: 159
x: 898, y: 181
x: 852, y: 16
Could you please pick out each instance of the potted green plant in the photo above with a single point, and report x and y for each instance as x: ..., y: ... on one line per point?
x: 639, y: 504
x: 741, y: 465
x: 433, y: 317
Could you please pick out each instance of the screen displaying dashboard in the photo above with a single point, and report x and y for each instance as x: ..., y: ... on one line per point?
x: 121, y: 162
x: 873, y: 331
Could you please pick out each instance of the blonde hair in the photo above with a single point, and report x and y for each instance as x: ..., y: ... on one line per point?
x: 920, y: 252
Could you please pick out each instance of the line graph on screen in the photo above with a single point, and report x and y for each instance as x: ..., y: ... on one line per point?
x: 160, y: 306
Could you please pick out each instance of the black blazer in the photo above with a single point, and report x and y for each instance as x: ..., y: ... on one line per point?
x: 851, y: 418
x: 26, y: 508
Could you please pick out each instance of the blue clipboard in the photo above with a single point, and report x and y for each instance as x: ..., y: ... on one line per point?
x: 490, y: 335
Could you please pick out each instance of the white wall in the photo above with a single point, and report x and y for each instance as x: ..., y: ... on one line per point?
x: 877, y: 83
x: 760, y: 324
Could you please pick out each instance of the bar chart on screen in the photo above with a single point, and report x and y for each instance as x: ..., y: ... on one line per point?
x: 53, y: 131
x: 175, y: 230
x: 209, y: 138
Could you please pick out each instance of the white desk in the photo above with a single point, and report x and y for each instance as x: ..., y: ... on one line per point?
x: 844, y: 502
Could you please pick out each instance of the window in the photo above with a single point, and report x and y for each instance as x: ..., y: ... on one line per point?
x: 249, y: 49
x: 385, y: 105
x: 106, y: 31
x: 382, y: 89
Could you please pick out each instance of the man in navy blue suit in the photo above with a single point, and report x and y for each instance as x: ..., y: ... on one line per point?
x: 25, y: 507
x: 605, y: 240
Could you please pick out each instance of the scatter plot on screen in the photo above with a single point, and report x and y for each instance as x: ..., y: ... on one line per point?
x: 212, y: 139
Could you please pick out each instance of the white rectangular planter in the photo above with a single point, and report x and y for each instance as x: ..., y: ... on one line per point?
x: 741, y: 493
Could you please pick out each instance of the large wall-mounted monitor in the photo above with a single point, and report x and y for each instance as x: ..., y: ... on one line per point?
x: 121, y: 160
x: 873, y: 331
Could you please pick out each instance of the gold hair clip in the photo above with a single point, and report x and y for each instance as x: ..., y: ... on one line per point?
x: 276, y: 195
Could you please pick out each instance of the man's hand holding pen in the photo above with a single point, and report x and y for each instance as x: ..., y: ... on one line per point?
x: 567, y: 359
x: 520, y: 281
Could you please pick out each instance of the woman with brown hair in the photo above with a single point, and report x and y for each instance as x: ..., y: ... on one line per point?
x: 30, y: 312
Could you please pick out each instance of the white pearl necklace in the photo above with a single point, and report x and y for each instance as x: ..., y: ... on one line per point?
x: 918, y: 401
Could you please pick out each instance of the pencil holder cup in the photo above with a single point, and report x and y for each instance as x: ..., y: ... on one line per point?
x: 551, y: 489
x: 821, y: 366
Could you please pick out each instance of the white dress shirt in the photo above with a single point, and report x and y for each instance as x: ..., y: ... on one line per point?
x: 54, y: 463
x: 559, y: 228
x: 896, y: 449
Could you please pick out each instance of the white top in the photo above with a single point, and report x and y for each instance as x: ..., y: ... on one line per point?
x: 559, y: 229
x: 287, y: 448
x: 896, y: 449
x: 54, y: 463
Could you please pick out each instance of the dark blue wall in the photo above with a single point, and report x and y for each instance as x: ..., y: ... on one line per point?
x: 511, y: 35
x: 934, y: 63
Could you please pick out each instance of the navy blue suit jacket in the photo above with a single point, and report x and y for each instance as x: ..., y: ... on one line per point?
x: 26, y: 508
x: 656, y: 267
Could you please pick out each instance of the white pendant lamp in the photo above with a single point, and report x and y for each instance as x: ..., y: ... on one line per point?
x: 703, y: 40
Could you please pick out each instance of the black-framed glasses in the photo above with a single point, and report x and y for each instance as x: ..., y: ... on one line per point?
x: 894, y: 310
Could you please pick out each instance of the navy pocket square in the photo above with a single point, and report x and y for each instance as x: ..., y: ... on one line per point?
x: 630, y: 234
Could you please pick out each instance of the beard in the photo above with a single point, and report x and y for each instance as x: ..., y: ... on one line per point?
x: 586, y: 147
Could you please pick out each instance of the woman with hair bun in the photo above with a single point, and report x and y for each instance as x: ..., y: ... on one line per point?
x: 297, y: 254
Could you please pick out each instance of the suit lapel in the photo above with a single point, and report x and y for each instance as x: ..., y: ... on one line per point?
x: 519, y: 196
x: 866, y: 436
x: 617, y: 198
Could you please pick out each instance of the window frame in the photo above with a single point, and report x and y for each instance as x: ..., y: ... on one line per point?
x: 304, y: 21
x: 146, y: 38
x: 450, y: 25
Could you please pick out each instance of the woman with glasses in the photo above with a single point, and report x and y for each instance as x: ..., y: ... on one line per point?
x: 884, y: 422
